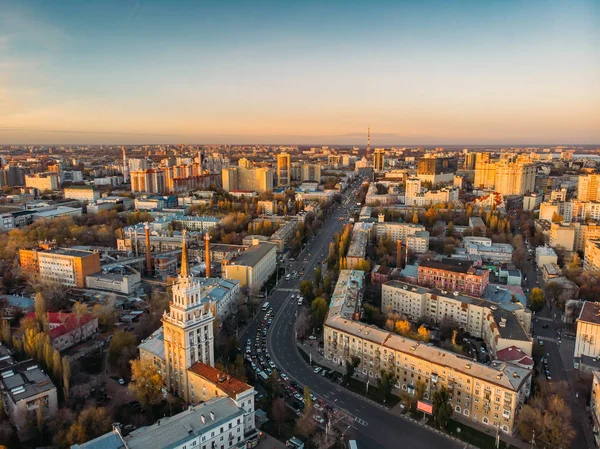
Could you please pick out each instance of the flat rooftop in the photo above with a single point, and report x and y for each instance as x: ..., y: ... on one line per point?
x: 253, y: 255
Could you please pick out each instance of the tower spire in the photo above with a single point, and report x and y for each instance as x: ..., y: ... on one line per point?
x: 368, y: 142
x: 185, y: 268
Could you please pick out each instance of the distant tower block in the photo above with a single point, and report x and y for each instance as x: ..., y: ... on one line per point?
x: 148, y: 251
x: 125, y: 167
x: 207, y: 244
x: 399, y: 254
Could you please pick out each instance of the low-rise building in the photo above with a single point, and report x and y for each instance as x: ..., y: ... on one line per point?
x: 195, y: 223
x: 418, y: 243
x: 488, y: 251
x: 357, y: 252
x: 125, y: 282
x: 216, y: 423
x: 453, y: 275
x: 253, y: 267
x: 396, y: 231
x: 26, y: 388
x: 65, y: 266
x: 545, y: 255
x: 82, y: 193
x: 69, y: 329
x: 284, y: 234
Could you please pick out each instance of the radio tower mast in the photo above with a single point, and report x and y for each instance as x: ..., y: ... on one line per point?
x: 369, y: 142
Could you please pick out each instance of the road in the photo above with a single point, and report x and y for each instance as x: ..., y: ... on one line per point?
x: 374, y: 426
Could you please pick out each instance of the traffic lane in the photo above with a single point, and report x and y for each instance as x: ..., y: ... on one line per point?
x: 379, y: 423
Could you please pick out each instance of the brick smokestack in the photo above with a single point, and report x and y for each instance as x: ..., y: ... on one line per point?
x: 399, y: 254
x: 148, y: 251
x: 207, y: 258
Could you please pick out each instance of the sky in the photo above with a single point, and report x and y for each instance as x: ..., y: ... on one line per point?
x: 300, y: 72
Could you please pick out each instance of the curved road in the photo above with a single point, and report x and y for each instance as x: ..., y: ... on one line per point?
x: 375, y: 426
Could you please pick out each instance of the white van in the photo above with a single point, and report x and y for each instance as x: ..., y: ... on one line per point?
x: 265, y: 306
x: 300, y: 302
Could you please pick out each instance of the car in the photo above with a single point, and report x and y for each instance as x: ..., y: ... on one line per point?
x: 299, y: 397
x: 548, y: 377
x: 324, y: 373
x: 284, y: 376
x: 317, y: 370
x: 319, y: 419
x: 466, y: 340
x: 312, y: 337
x: 318, y: 407
x: 540, y: 342
x: 312, y: 397
x: 121, y: 381
x: 482, y: 349
x: 271, y: 364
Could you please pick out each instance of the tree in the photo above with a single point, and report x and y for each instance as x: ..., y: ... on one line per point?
x: 351, y: 365
x: 386, y: 382
x: 146, y: 382
x: 549, y: 418
x: 306, y: 425
x: 279, y: 412
x: 536, y: 299
x: 318, y: 275
x: 123, y: 348
x: 273, y: 386
x: 442, y: 410
x: 319, y: 309
x: 420, y: 389
x: 66, y: 377
x: 415, y: 218
x: 403, y: 328
x: 307, y: 399
x: 423, y: 334
x: 91, y: 423
x: 40, y: 309
x: 307, y: 290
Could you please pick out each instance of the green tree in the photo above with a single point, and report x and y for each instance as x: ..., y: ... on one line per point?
x: 122, y: 349
x: 319, y: 309
x: 351, y: 365
x: 307, y: 290
x: 146, y: 382
x: 318, y: 275
x: 386, y: 383
x: 442, y: 409
x: 536, y: 299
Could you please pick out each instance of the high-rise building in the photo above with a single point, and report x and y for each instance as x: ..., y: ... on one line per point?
x: 514, y: 178
x: 437, y: 169
x: 413, y: 188
x: 148, y: 181
x: 379, y: 159
x: 188, y: 330
x: 588, y: 186
x: 469, y: 163
x: 43, y: 181
x: 244, y: 163
x: 252, y: 179
x: 125, y: 166
x: 283, y: 169
x: 485, y: 171
x: 310, y: 172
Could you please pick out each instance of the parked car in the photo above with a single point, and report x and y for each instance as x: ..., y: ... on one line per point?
x: 317, y: 370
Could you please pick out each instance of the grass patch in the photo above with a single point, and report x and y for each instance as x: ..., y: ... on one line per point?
x: 473, y: 436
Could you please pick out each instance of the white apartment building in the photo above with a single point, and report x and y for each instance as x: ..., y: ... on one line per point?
x: 418, y: 243
x: 216, y: 423
x: 591, y: 260
x: 396, y: 231
x: 545, y: 255
x: 444, y: 195
x: 587, y: 340
x: 588, y: 187
x: 196, y: 223
x: 499, y: 328
x: 491, y: 395
x: 82, y: 193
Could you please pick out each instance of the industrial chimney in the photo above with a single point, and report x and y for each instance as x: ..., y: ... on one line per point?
x: 207, y: 258
x: 399, y: 254
x: 148, y: 251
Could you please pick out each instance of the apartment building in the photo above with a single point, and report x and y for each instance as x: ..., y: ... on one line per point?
x: 396, y: 231
x: 595, y: 406
x: 310, y: 172
x: 443, y: 195
x: 591, y: 260
x: 65, y: 266
x: 435, y: 169
x: 490, y: 395
x: 514, y: 178
x: 284, y: 234
x: 195, y: 223
x: 42, y: 181
x: 253, y: 267
x: 418, y: 243
x: 82, y: 193
x: 251, y: 179
x: 25, y: 388
x: 206, y: 383
x: 148, y: 181
x: 588, y: 187
x: 214, y: 424
x: 459, y: 276
x: 500, y: 328
x: 357, y: 252
x: 379, y: 159
x: 587, y: 339
x: 485, y: 171
x: 572, y: 237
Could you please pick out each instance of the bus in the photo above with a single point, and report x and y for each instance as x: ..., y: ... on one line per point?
x: 265, y: 306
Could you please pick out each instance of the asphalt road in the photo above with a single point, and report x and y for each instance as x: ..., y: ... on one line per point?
x: 374, y: 427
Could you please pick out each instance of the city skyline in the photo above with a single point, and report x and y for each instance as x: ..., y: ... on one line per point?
x: 269, y: 73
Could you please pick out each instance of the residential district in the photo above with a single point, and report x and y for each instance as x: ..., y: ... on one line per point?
x: 215, y: 297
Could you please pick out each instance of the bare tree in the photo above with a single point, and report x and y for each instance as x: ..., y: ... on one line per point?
x: 279, y: 413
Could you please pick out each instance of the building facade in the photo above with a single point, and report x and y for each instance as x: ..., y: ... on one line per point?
x: 253, y: 267
x: 82, y: 193
x: 453, y: 276
x: 251, y: 179
x: 42, y: 181
x: 284, y: 173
